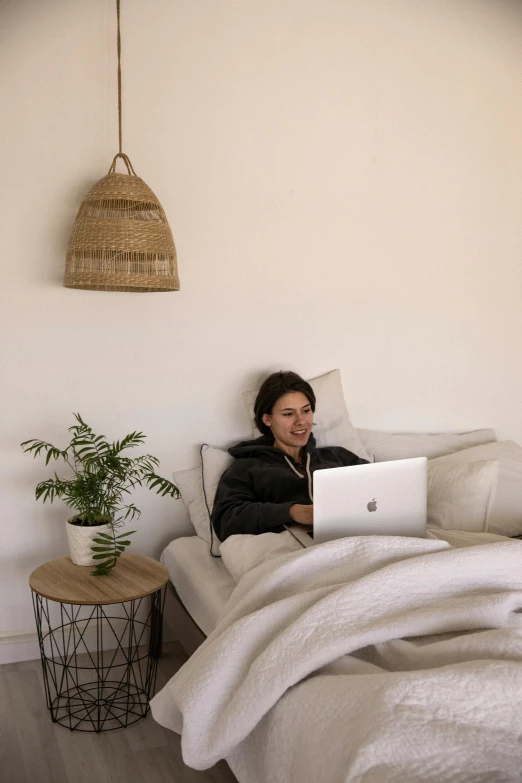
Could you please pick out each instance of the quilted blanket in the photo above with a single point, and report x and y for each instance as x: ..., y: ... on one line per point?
x: 364, y: 659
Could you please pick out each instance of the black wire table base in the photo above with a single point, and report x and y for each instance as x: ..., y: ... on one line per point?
x: 99, y: 661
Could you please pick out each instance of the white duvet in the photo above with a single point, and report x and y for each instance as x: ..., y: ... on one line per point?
x: 365, y: 659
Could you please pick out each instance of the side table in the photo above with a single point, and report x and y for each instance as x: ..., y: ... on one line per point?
x: 100, y: 640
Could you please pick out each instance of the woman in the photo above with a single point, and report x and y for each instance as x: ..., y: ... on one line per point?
x: 270, y: 483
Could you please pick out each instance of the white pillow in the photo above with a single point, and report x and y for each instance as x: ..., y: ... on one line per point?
x: 461, y: 495
x: 198, y: 489
x: 215, y: 462
x: 505, y: 518
x: 332, y: 425
x: 402, y: 445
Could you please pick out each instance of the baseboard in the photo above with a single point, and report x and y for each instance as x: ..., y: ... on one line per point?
x: 16, y: 646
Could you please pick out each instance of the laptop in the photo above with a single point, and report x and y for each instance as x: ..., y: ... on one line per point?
x: 378, y: 499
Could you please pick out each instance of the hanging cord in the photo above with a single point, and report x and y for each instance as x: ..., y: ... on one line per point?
x: 120, y: 154
x: 119, y: 77
x: 125, y: 158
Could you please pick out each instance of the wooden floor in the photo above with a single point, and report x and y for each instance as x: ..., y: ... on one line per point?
x: 35, y: 750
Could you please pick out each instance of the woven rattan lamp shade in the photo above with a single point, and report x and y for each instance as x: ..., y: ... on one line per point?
x: 121, y: 239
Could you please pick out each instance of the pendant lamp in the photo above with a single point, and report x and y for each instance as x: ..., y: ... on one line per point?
x: 121, y: 239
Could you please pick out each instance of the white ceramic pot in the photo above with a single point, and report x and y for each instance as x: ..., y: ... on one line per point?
x: 80, y: 539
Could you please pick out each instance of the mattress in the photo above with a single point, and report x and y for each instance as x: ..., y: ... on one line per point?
x: 201, y: 581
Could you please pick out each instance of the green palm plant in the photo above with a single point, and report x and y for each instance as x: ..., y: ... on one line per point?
x: 102, y: 476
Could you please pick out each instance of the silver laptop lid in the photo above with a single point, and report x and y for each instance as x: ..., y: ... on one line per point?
x: 382, y: 498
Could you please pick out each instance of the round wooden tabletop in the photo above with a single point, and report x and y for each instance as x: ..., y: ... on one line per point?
x: 134, y: 576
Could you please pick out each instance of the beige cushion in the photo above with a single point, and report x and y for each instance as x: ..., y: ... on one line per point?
x: 460, y: 538
x: 403, y: 445
x: 461, y: 495
x: 332, y: 425
x: 505, y: 518
x: 198, y: 489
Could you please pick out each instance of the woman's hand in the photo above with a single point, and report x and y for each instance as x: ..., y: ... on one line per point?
x: 302, y: 514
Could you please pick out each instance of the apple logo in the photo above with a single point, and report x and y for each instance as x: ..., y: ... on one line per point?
x: 372, y: 505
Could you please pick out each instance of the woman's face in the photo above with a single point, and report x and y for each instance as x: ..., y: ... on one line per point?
x: 290, y: 420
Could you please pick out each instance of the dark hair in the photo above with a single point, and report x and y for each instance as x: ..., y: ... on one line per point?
x: 274, y: 387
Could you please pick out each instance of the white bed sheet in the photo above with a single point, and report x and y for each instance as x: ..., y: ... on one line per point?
x: 201, y: 581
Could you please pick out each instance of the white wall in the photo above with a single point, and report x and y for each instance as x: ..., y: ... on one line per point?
x: 343, y: 179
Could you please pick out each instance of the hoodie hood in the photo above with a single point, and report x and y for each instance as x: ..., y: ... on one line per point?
x: 263, y: 448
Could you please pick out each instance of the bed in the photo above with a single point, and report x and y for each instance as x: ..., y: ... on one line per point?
x: 366, y: 659
x: 421, y: 684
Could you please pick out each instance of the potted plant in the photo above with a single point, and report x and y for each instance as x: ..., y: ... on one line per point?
x: 101, y: 476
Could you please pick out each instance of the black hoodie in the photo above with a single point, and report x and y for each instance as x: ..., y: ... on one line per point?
x: 256, y: 492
